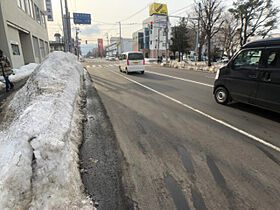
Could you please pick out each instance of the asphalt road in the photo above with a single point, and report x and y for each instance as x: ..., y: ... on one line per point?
x: 181, y: 150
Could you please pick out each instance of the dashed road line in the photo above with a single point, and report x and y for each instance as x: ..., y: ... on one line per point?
x: 179, y: 78
x: 257, y: 139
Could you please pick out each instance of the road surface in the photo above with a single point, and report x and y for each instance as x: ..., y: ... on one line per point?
x: 181, y: 149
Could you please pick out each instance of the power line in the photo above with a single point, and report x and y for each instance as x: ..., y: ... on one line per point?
x: 179, y: 10
x: 136, y: 13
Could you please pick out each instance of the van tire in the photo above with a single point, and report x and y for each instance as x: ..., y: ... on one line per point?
x: 221, y: 95
x: 120, y: 68
x: 142, y: 72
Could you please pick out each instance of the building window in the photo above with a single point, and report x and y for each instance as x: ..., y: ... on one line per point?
x: 28, y: 7
x: 31, y: 8
x: 43, y: 19
x: 36, y: 47
x: 15, y: 49
x: 47, y: 48
x: 42, y: 49
x: 22, y: 4
x: 37, y: 14
x: 19, y: 3
x: 151, y: 42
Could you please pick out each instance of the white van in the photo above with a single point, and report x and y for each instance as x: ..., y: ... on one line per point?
x: 132, y: 62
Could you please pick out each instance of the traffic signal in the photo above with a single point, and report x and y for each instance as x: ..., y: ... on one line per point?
x: 86, y: 41
x: 151, y: 25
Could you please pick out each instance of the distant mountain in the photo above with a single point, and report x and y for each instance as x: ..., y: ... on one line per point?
x: 85, y: 48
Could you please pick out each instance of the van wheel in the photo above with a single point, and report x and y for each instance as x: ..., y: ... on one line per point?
x: 120, y: 68
x: 221, y: 95
x: 142, y: 72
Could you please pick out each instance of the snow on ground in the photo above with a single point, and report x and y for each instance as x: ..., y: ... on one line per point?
x: 19, y: 74
x: 39, y: 148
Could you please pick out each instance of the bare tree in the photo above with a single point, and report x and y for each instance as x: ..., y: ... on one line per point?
x: 211, y: 21
x: 202, y: 34
x: 229, y: 34
x: 256, y: 17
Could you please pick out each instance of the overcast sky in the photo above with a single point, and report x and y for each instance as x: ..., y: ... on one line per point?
x: 106, y: 13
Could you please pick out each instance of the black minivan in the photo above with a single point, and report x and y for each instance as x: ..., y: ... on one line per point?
x: 252, y: 76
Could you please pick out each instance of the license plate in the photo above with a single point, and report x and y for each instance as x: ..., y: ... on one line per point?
x: 135, y: 63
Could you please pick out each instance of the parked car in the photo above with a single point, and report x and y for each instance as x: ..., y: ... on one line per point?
x: 252, y: 76
x: 112, y: 58
x: 223, y: 60
x: 132, y: 62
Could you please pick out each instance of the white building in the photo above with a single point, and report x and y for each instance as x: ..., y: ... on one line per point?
x: 151, y: 39
x: 157, y: 34
x: 23, y: 31
x: 115, y: 48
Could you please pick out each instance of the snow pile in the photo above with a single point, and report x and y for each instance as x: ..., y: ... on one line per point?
x: 39, y: 149
x: 196, y: 66
x: 19, y: 74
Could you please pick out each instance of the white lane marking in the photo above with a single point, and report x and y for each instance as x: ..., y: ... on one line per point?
x: 100, y: 65
x: 179, y: 78
x: 206, y: 115
x: 116, y: 64
x: 93, y: 66
x: 87, y: 66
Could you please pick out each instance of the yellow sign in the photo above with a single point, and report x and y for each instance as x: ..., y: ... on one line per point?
x: 157, y: 8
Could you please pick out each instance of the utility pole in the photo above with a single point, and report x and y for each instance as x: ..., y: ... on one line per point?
x: 107, y: 38
x: 64, y: 27
x: 158, y: 40
x: 77, y: 42
x: 198, y: 30
x: 120, y: 37
x: 166, y: 40
x: 68, y: 27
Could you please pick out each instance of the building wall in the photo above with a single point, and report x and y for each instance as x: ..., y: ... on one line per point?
x: 153, y: 40
x: 113, y: 49
x: 3, y: 40
x: 157, y: 32
x: 13, y: 38
x: 127, y: 45
x: 20, y: 24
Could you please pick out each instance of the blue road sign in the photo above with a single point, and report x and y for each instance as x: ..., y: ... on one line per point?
x: 82, y: 18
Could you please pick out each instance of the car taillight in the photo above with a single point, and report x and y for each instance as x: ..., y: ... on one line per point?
x: 127, y: 62
x: 143, y: 61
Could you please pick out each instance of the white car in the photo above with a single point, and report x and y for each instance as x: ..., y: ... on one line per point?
x: 132, y: 62
x: 112, y: 58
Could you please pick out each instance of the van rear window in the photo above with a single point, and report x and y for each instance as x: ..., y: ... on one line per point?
x: 135, y: 56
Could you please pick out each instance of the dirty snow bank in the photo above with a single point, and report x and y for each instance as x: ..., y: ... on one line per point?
x: 196, y: 66
x: 21, y: 73
x: 39, y: 150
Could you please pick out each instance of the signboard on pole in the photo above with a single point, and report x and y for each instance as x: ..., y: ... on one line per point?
x: 159, y: 9
x: 82, y: 18
x: 49, y: 10
x: 100, y: 47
